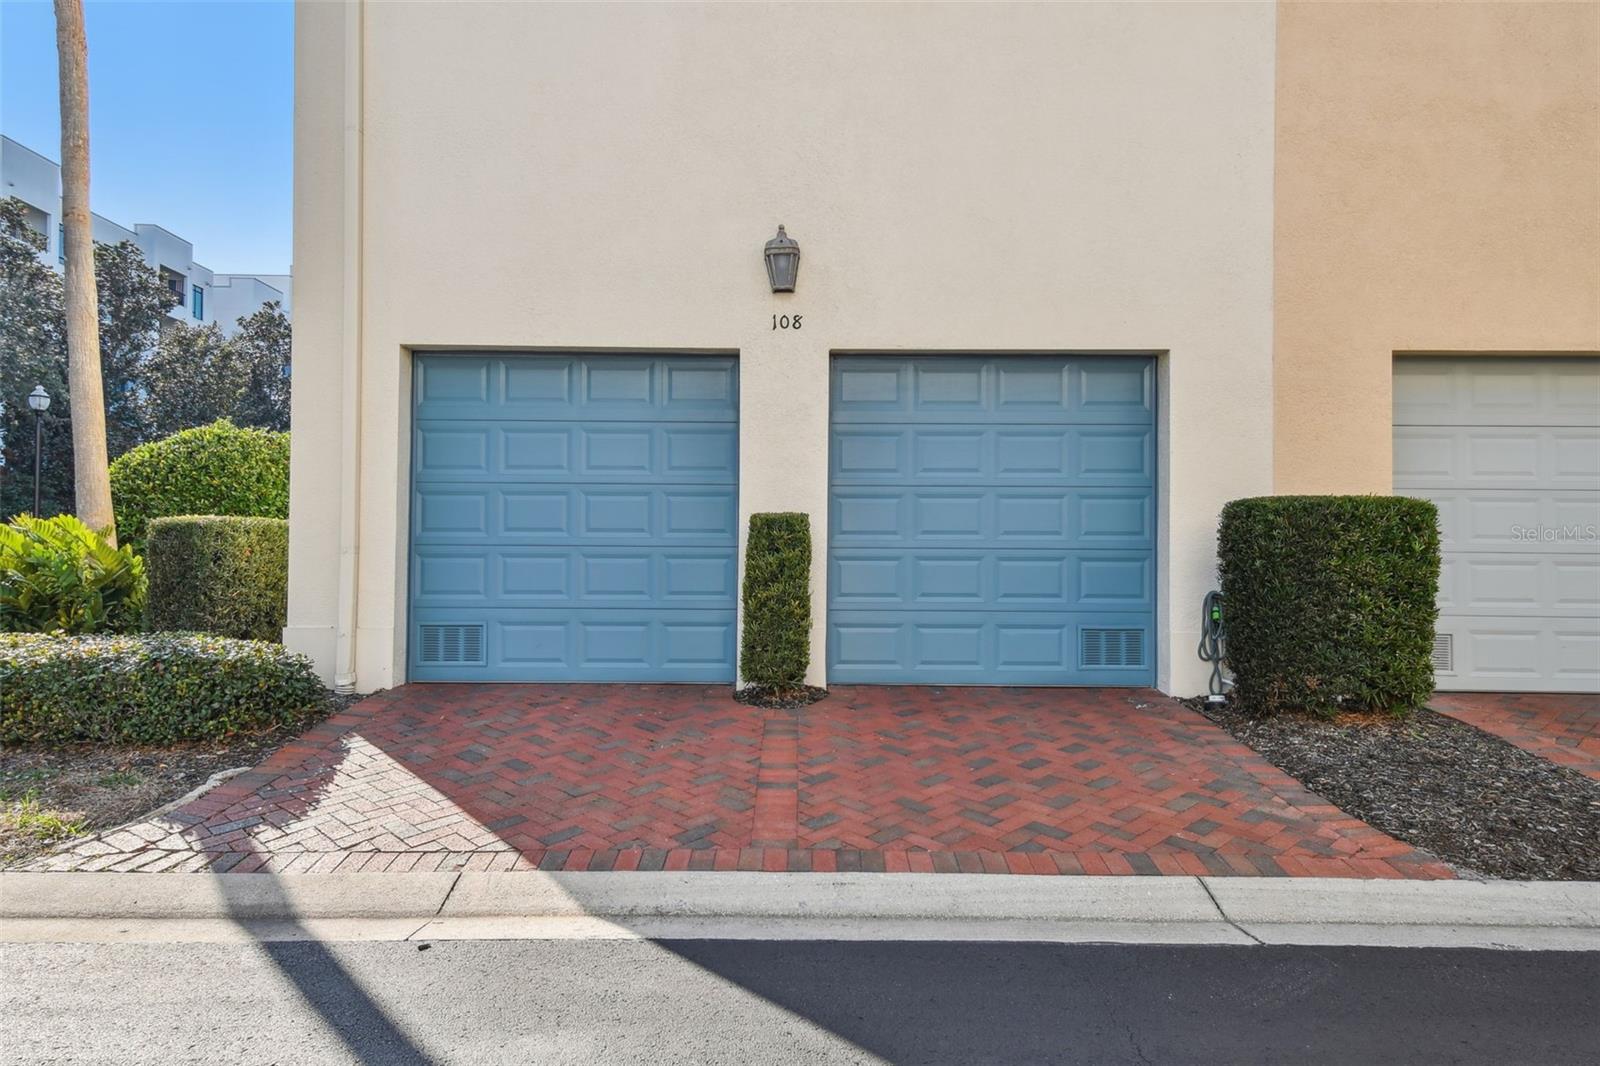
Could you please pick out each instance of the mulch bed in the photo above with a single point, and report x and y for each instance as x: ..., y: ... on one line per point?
x: 106, y: 785
x: 1439, y: 784
x: 780, y: 699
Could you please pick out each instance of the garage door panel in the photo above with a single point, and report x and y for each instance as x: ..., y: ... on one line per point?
x: 1042, y: 455
x: 1478, y: 457
x: 1575, y: 654
x: 445, y: 577
x: 460, y: 383
x: 1505, y: 520
x: 1509, y: 450
x: 953, y: 389
x: 930, y: 579
x: 529, y: 515
x: 525, y: 514
x: 562, y: 644
x: 1523, y: 654
x: 441, y: 513
x: 1481, y: 391
x: 1525, y: 583
x: 458, y: 451
x: 579, y: 388
x: 985, y: 514
x: 1059, y: 519
x: 574, y: 518
x: 998, y: 648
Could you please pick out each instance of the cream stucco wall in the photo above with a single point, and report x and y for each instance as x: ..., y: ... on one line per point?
x: 1088, y: 177
x: 326, y: 170
x: 1438, y: 190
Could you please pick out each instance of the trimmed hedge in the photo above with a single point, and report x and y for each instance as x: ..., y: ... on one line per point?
x: 220, y: 575
x: 218, y: 469
x: 59, y: 576
x: 1330, y: 601
x: 153, y: 689
x: 776, y: 642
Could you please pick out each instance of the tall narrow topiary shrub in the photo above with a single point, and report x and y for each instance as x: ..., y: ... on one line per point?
x: 1330, y: 601
x: 776, y: 645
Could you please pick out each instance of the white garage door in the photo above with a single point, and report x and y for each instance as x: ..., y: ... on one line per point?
x: 1510, y: 451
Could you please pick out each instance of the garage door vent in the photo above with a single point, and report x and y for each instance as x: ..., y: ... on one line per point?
x: 1111, y: 647
x: 1444, y: 653
x: 455, y: 645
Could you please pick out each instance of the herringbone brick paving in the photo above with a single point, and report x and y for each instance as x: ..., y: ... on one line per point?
x: 614, y: 777
x: 1559, y: 726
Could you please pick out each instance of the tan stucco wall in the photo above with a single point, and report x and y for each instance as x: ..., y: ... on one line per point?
x: 1031, y: 178
x: 1438, y: 190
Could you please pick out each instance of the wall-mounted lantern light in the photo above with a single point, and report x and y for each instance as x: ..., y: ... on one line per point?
x: 783, y: 261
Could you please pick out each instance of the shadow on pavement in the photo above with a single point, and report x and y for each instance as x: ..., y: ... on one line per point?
x: 997, y: 1002
x: 326, y: 986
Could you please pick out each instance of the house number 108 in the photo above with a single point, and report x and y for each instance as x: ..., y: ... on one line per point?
x: 785, y: 321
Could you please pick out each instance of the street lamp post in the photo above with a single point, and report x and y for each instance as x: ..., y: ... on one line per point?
x: 39, y: 401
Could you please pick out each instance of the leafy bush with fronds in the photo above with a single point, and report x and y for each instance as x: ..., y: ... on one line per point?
x: 776, y: 641
x: 158, y: 688
x: 1330, y: 601
x: 218, y: 469
x: 222, y: 575
x: 59, y: 576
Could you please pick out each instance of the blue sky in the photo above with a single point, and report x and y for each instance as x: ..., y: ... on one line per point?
x: 191, y: 113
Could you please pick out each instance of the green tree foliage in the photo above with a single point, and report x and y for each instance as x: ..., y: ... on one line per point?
x: 196, y: 376
x: 190, y: 380
x: 133, y: 306
x: 261, y: 348
x: 59, y: 576
x: 218, y: 469
x: 160, y: 375
x: 33, y: 351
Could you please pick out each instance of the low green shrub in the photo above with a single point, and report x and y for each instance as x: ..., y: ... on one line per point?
x: 152, y: 689
x: 776, y: 642
x: 1330, y: 601
x: 220, y: 575
x: 218, y: 469
x: 59, y: 576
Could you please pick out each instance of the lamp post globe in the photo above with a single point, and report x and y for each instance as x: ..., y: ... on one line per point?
x: 39, y: 402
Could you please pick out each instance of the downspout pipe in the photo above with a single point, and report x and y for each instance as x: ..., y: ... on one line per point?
x: 350, y: 355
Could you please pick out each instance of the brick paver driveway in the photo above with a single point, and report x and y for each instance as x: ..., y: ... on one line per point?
x: 609, y: 777
x: 1561, y: 727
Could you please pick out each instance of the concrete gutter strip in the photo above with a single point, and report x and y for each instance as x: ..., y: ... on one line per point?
x: 230, y: 896
x: 1273, y: 901
x: 447, y: 906
x: 940, y: 897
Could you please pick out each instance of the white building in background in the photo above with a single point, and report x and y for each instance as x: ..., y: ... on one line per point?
x: 204, y: 297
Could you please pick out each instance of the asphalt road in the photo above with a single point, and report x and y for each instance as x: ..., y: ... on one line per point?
x: 786, y: 1002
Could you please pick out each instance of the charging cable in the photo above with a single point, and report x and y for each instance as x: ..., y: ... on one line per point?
x: 1213, y: 644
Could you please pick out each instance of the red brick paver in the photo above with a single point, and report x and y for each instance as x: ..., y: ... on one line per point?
x: 612, y: 777
x: 1561, y: 727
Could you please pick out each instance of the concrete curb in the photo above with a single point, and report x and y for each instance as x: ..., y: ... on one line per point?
x: 532, y: 905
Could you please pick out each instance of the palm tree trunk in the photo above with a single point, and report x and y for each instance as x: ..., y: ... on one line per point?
x: 88, y: 406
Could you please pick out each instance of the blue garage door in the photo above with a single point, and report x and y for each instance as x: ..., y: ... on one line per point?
x: 573, y: 518
x: 992, y: 520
